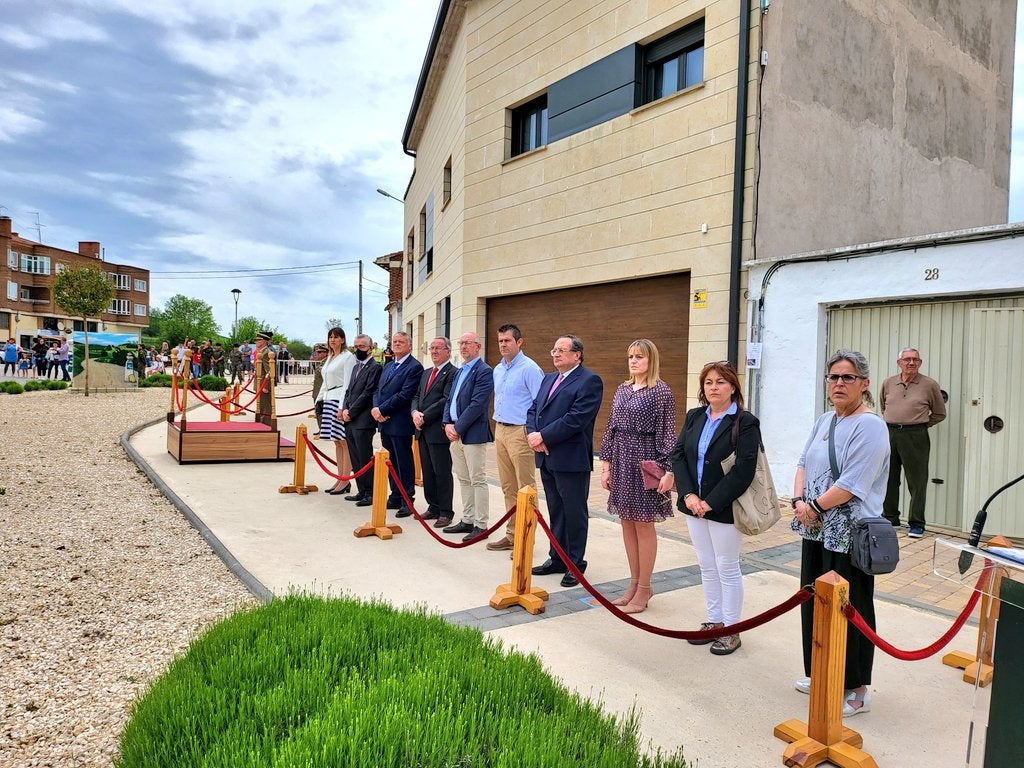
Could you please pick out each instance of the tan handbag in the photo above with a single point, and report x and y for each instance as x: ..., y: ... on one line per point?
x: 757, y: 508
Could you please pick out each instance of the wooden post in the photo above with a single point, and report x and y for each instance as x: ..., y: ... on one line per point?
x: 299, y: 474
x: 978, y: 666
x: 519, y: 591
x: 378, y: 525
x: 174, y: 394
x: 416, y: 461
x: 824, y: 737
x: 225, y: 405
x: 184, y: 392
x: 238, y: 395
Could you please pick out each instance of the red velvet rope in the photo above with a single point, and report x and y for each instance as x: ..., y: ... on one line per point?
x: 322, y: 466
x: 289, y: 397
x: 317, y: 450
x: 854, y: 617
x: 296, y: 413
x: 430, y: 529
x: 799, y: 597
x: 232, y: 411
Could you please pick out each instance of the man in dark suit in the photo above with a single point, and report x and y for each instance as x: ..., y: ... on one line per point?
x: 427, y: 413
x: 359, y: 422
x: 560, y: 428
x: 468, y: 428
x: 392, y: 408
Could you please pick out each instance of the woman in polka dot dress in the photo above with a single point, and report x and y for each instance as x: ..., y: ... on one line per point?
x: 642, y: 427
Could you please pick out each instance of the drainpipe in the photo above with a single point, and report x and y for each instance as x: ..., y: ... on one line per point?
x: 738, y: 177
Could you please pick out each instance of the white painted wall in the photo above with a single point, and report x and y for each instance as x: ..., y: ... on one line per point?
x: 787, y: 392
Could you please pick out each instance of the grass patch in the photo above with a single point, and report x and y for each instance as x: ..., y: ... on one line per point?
x: 11, y: 388
x: 212, y: 383
x: 307, y: 681
x: 156, y: 380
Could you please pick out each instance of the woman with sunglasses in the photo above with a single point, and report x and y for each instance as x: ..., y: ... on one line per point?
x: 825, y: 507
x: 710, y: 434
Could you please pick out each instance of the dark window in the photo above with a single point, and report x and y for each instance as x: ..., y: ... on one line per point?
x: 79, y: 326
x: 446, y: 192
x: 444, y: 317
x: 50, y: 324
x: 675, y: 62
x: 426, y: 264
x: 530, y: 126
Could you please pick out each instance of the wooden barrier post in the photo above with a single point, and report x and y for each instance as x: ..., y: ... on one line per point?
x: 174, y: 394
x: 416, y: 461
x: 824, y: 737
x: 184, y: 394
x: 299, y: 474
x: 378, y: 525
x: 225, y: 405
x: 978, y: 667
x: 519, y: 591
x: 238, y: 396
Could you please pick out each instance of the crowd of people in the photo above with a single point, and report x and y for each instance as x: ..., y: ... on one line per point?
x: 45, y: 359
x: 546, y: 422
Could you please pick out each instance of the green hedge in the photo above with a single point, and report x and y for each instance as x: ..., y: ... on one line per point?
x: 156, y: 380
x: 307, y: 681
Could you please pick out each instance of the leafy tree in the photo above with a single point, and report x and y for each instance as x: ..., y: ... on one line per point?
x: 184, y: 318
x: 249, y: 326
x: 300, y: 350
x: 154, y: 328
x: 83, y: 292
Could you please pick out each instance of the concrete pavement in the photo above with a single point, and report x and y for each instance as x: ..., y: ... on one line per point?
x: 721, y: 710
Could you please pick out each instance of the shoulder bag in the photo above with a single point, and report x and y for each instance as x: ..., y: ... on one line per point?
x: 874, y: 548
x: 757, y: 508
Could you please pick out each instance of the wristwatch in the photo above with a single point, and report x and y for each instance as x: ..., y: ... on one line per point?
x: 795, y: 499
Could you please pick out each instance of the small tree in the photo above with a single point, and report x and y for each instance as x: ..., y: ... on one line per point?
x: 83, y: 292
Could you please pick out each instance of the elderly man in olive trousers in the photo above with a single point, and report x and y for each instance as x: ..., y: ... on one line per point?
x: 911, y: 403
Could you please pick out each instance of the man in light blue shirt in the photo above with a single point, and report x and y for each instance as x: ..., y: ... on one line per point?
x: 516, y: 383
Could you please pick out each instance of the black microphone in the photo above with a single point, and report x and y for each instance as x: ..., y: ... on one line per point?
x: 966, y: 558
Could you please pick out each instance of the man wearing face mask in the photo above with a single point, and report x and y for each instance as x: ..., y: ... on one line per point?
x: 359, y: 422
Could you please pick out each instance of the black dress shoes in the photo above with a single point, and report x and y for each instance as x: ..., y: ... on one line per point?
x: 356, y: 497
x: 394, y: 503
x: 549, y: 567
x: 569, y: 580
x: 366, y: 502
x: 460, y: 527
x: 476, y: 533
x: 403, y: 512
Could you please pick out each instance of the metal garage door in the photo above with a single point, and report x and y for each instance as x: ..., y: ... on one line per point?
x: 607, y: 317
x: 940, y: 331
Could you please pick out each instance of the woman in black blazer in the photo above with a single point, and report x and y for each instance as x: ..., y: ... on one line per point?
x: 710, y: 434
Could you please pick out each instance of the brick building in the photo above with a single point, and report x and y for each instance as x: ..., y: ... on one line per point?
x: 27, y: 305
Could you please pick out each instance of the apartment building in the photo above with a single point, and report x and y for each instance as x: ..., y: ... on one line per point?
x: 611, y: 168
x: 29, y: 271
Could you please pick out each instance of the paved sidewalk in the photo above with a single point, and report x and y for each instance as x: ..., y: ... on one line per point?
x: 720, y: 709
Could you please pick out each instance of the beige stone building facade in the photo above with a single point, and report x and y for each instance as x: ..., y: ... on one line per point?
x: 578, y: 169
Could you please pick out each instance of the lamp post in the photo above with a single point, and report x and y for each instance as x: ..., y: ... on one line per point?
x: 234, y: 329
x: 388, y: 194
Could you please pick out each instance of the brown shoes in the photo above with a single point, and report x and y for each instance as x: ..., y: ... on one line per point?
x: 442, y: 522
x: 500, y: 545
x: 723, y: 646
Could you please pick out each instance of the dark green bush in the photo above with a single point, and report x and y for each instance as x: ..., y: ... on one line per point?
x: 11, y: 388
x: 34, y: 385
x: 306, y: 681
x: 156, y: 380
x: 212, y: 383
x: 53, y: 384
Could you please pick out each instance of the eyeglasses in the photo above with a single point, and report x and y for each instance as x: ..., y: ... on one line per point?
x: 557, y: 351
x: 846, y: 378
x: 910, y: 360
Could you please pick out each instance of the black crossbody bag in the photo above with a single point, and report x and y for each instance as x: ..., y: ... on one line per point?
x: 874, y: 548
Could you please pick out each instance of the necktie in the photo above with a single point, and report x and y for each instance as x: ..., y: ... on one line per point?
x: 430, y: 381
x: 554, y: 386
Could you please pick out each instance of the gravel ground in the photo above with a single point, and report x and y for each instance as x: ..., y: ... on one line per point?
x: 102, y: 581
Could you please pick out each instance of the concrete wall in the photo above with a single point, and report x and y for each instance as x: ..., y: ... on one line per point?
x: 883, y: 119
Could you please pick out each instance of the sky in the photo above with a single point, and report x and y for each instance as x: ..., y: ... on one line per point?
x: 200, y: 136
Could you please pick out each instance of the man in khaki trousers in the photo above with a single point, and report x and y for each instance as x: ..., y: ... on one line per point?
x: 516, y: 383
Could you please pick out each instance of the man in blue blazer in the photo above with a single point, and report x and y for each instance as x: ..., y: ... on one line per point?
x: 468, y: 427
x: 392, y: 409
x: 560, y: 429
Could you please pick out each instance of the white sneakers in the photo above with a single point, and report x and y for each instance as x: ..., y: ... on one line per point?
x: 803, y: 684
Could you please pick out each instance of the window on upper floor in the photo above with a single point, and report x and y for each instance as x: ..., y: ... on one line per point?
x: 674, y: 62
x: 410, y: 246
x: 140, y: 310
x: 12, y: 259
x: 426, y: 260
x: 119, y: 307
x: 140, y: 285
x: 444, y: 317
x: 529, y: 126
x: 121, y: 282
x: 12, y: 291
x: 35, y: 265
x: 446, y: 190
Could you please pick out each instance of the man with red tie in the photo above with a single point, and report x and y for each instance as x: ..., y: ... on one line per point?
x: 427, y: 412
x: 560, y: 429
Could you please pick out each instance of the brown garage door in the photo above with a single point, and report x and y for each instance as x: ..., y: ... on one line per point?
x: 607, y: 317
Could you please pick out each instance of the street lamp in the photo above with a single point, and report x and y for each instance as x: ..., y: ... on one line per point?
x: 388, y: 194
x: 234, y: 329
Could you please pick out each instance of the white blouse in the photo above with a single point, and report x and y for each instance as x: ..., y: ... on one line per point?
x: 337, y: 372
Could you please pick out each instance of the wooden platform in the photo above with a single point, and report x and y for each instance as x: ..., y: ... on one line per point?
x: 208, y: 441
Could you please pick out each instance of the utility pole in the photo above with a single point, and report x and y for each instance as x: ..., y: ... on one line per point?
x: 359, y: 320
x: 39, y: 227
